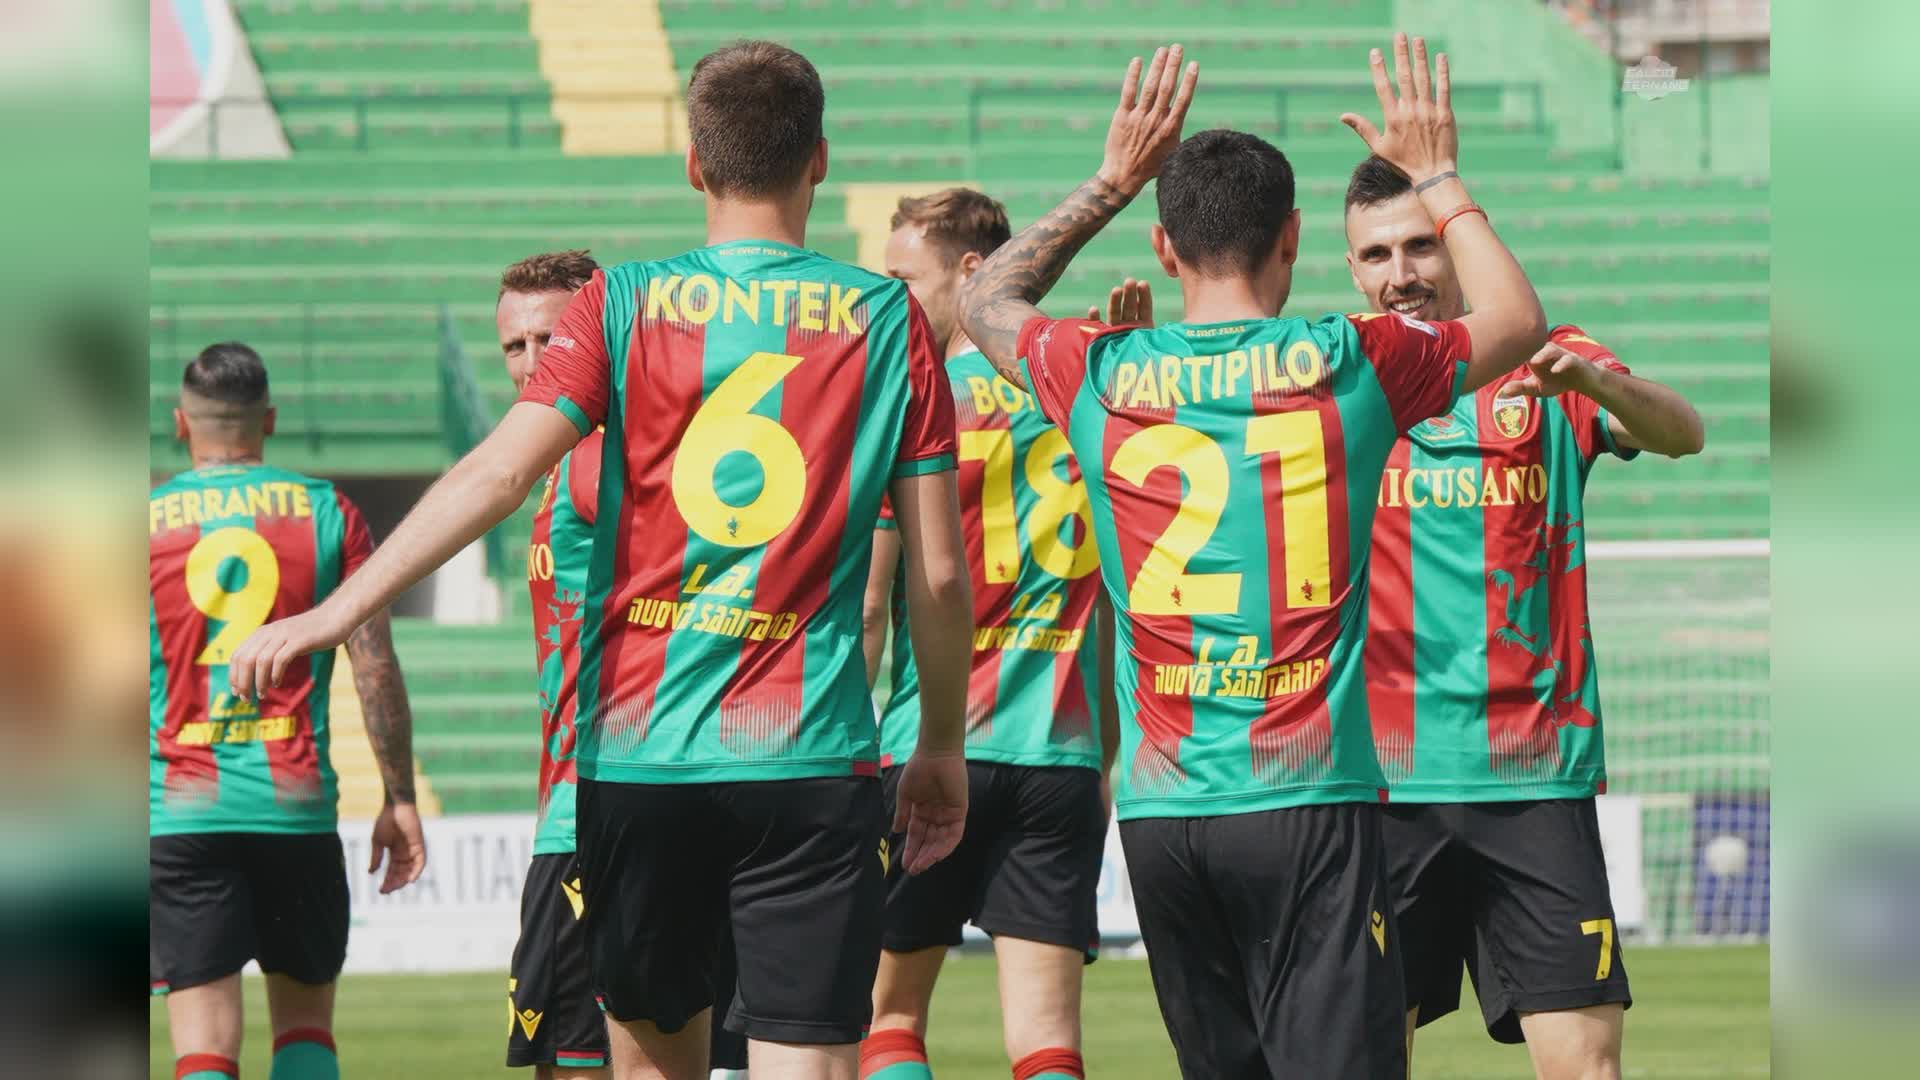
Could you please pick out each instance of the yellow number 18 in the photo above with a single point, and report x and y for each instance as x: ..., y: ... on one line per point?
x: 1058, y: 500
x: 1163, y: 586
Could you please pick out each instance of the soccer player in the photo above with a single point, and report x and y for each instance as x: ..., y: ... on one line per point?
x: 1481, y: 679
x: 1040, y: 708
x: 759, y: 399
x: 245, y: 861
x: 557, y: 1027
x: 1231, y: 460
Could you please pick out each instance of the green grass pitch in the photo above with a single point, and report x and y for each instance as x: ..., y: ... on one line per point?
x: 1700, y: 1012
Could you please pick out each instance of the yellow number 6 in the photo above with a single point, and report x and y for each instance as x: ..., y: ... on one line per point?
x: 724, y: 425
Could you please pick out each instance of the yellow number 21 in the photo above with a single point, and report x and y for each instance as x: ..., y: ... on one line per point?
x: 1163, y: 586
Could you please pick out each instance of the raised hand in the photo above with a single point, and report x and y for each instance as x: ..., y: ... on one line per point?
x: 1130, y: 303
x: 1419, y: 136
x: 1146, y: 124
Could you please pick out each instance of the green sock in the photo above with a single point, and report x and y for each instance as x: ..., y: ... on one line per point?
x: 305, y: 1054
x: 205, y: 1067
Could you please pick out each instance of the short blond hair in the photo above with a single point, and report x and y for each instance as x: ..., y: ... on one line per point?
x: 553, y: 271
x: 958, y: 219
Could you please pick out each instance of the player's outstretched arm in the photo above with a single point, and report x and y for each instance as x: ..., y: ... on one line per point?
x: 932, y: 794
x: 876, y: 609
x: 1419, y: 138
x: 1001, y: 296
x: 478, y: 493
x: 1641, y: 414
x: 398, y: 838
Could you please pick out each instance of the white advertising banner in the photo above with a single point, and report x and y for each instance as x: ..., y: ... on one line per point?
x: 464, y: 913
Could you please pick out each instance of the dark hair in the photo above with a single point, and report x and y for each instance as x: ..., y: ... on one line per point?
x: 1223, y: 197
x: 553, y: 271
x: 229, y: 373
x: 1376, y: 180
x: 754, y: 111
x: 958, y: 219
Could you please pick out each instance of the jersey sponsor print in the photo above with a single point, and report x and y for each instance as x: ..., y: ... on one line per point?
x: 757, y: 399
x: 1031, y: 694
x: 229, y: 549
x: 1232, y: 507
x: 1480, y: 655
x: 557, y: 556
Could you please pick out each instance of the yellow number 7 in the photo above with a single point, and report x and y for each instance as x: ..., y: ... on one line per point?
x: 1603, y: 927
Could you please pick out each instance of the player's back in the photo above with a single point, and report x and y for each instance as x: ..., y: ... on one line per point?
x: 758, y: 398
x: 1233, y: 511
x: 1031, y: 690
x: 230, y: 548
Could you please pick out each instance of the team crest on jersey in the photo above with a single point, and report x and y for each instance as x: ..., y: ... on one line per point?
x: 1511, y: 414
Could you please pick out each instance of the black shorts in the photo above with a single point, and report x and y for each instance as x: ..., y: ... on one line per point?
x: 218, y: 900
x: 1271, y: 943
x: 1514, y: 891
x: 793, y: 866
x: 1027, y: 867
x: 555, y: 1020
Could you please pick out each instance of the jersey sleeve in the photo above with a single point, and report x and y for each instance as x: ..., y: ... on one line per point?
x: 575, y: 375
x: 1590, y: 427
x: 356, y: 540
x: 1420, y: 365
x: 927, y: 441
x: 1054, y: 354
x: 583, y: 477
x: 886, y: 522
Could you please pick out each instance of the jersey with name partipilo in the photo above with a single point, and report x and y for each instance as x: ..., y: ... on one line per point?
x: 1481, y: 677
x: 1031, y: 691
x: 1231, y: 468
x: 557, y: 556
x: 758, y: 398
x: 230, y: 548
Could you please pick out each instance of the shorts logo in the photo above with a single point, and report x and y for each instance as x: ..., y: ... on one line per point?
x: 572, y: 891
x: 883, y: 855
x: 528, y: 1019
x: 1510, y: 415
x: 1379, y: 929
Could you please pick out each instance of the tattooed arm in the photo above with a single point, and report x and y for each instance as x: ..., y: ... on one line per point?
x: 389, y: 719
x: 1001, y: 296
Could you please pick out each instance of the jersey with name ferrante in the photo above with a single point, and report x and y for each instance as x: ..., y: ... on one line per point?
x: 758, y: 398
x: 1031, y: 692
x: 1482, y: 683
x: 230, y: 548
x: 1233, y: 503
x: 558, y: 553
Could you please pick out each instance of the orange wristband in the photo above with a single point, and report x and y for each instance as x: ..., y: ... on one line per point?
x: 1441, y: 230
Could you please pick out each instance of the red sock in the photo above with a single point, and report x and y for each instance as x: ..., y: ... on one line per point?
x: 205, y: 1063
x: 890, y: 1046
x: 1053, y: 1061
x: 300, y: 1035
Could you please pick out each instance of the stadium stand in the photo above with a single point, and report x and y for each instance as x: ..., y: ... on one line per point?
x: 435, y: 141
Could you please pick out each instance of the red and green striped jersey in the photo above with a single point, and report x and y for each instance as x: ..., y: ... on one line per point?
x: 558, y: 555
x: 758, y: 398
x: 228, y: 549
x: 1480, y: 663
x: 1232, y: 505
x: 1031, y: 696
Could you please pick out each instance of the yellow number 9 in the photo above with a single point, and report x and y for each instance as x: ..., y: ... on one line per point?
x: 241, y: 610
x: 724, y: 425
